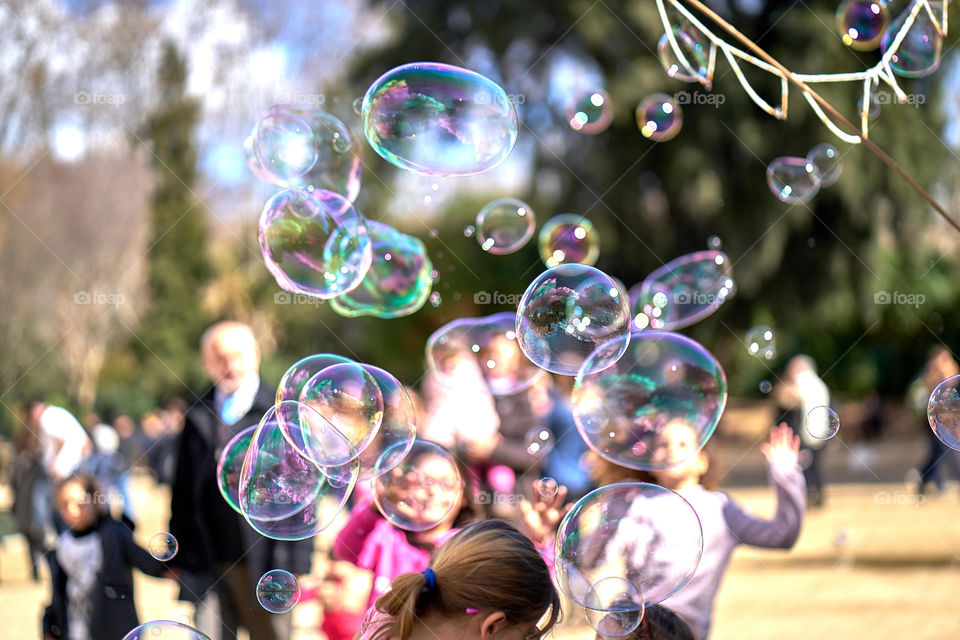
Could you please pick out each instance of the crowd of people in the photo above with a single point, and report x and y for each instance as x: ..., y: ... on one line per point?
x: 484, y: 570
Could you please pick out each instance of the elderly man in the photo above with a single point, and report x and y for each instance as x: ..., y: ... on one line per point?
x: 221, y: 557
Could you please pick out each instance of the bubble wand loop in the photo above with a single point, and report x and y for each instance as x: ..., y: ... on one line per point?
x: 816, y: 100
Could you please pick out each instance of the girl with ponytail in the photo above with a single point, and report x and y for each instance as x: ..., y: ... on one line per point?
x: 487, y: 582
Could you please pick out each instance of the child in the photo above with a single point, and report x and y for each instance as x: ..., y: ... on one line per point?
x: 486, y: 581
x: 725, y: 524
x: 91, y: 568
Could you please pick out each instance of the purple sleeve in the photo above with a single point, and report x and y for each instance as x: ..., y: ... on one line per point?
x: 782, y: 531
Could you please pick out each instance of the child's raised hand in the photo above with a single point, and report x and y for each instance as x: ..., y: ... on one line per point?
x: 544, y: 514
x: 784, y: 446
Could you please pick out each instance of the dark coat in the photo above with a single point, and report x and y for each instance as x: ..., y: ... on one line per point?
x: 208, y: 530
x: 114, y: 613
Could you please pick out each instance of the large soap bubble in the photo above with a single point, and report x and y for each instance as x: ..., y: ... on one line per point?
x: 943, y: 412
x: 614, y: 607
x: 437, y: 119
x: 490, y: 342
x: 666, y: 387
x: 393, y: 439
x: 683, y: 291
x: 421, y: 491
x: 164, y: 630
x: 314, y: 242
x: 398, y: 281
x: 569, y: 311
x: 296, y: 377
x: 641, y: 533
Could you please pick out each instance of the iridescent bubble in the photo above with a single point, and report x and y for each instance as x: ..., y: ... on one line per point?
x: 398, y: 428
x: 694, y: 46
x: 682, y: 292
x: 569, y: 311
x: 538, y: 441
x: 761, y: 342
x: 765, y: 386
x: 642, y: 533
x: 284, y: 145
x: 568, y: 238
x: 278, y: 591
x: 314, y: 242
x: 861, y: 23
x: 659, y: 117
x: 296, y: 377
x: 547, y: 487
x: 592, y: 113
x: 422, y: 491
x: 614, y: 607
x: 164, y: 630
x: 435, y: 299
x: 943, y: 412
x: 338, y: 153
x: 666, y: 387
x: 349, y: 398
x: 163, y: 546
x: 230, y: 465
x: 489, y: 345
x: 505, y: 225
x: 822, y: 423
x: 275, y: 478
x: 919, y: 52
x: 826, y: 163
x: 438, y: 119
x: 469, y: 230
x: 714, y: 243
x: 358, y: 105
x: 793, y: 180
x: 398, y: 281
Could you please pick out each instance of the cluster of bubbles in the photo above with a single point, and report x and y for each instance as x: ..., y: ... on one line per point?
x: 821, y: 423
x: 624, y: 547
x: 761, y: 342
x: 278, y: 591
x: 568, y: 238
x: 797, y: 180
x: 683, y: 291
x: 163, y: 546
x: 943, y: 412
x: 505, y: 226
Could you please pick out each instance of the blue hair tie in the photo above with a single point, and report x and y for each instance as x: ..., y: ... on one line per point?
x: 431, y: 578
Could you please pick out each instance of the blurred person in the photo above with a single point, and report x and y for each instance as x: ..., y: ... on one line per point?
x: 221, y: 558
x: 565, y: 463
x: 107, y: 465
x: 800, y: 390
x: 940, y: 366
x: 27, y: 510
x: 487, y: 581
x: 92, y: 568
x: 131, y: 449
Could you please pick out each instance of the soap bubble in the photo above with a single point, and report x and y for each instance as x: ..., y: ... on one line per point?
x: 568, y: 238
x: 569, y: 311
x: 943, y: 412
x: 822, y: 423
x: 694, y: 46
x: 284, y: 145
x: 793, y: 180
x: 421, y: 491
x: 277, y: 480
x: 230, y: 465
x: 592, y: 113
x: 826, y: 163
x: 278, y: 591
x: 765, y: 386
x: 398, y: 428
x: 505, y: 225
x: 547, y: 487
x: 666, y: 391
x: 163, y: 546
x: 642, y: 533
x: 296, y: 377
x: 861, y: 23
x: 538, y: 441
x: 614, y: 607
x: 164, y: 630
x: 659, y: 117
x: 490, y: 345
x: 398, y: 281
x: 919, y: 53
x: 469, y: 230
x: 437, y: 119
x: 714, y: 243
x: 314, y: 243
x: 761, y: 342
x: 683, y: 291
